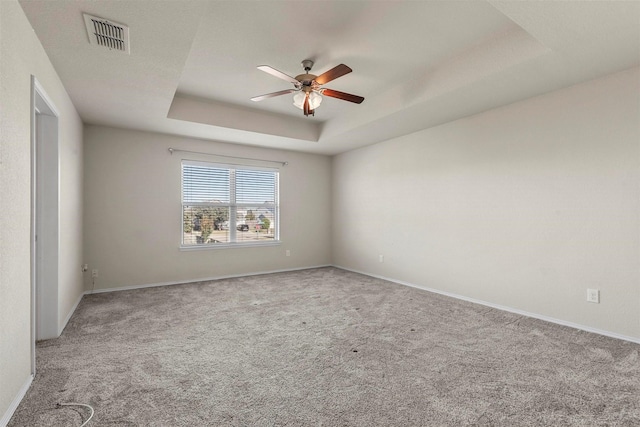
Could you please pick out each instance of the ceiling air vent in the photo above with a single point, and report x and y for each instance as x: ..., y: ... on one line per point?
x: 109, y: 34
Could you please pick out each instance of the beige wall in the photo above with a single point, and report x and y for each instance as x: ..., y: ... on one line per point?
x: 133, y: 211
x: 21, y: 55
x: 524, y: 206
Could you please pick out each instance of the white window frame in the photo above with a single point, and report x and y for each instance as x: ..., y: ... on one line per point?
x: 233, y: 208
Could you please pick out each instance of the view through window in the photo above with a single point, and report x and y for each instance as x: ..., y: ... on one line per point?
x: 224, y: 204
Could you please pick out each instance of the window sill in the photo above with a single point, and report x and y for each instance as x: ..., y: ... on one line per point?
x: 228, y: 246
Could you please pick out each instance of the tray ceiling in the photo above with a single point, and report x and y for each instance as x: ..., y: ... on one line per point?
x: 192, y: 67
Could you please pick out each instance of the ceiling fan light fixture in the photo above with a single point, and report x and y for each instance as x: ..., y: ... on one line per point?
x: 315, y: 99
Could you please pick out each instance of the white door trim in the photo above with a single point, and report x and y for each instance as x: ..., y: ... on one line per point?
x: 43, y: 108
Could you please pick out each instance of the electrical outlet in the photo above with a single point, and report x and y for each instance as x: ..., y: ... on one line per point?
x: 85, y: 268
x: 593, y: 295
x: 94, y: 273
x: 380, y: 258
x: 287, y: 252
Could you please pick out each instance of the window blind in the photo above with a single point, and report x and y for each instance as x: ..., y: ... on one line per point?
x: 201, y: 184
x: 224, y: 204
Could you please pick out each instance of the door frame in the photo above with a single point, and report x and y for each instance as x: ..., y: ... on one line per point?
x: 43, y: 108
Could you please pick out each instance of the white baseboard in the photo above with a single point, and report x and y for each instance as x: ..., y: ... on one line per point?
x: 16, y: 401
x: 501, y: 307
x: 205, y: 279
x: 73, y: 309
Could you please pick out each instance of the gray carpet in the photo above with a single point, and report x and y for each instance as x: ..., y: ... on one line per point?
x: 323, y: 347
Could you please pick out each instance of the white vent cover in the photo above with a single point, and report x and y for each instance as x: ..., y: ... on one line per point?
x: 109, y: 34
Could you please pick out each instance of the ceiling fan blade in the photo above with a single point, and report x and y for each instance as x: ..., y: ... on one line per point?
x: 341, y: 95
x: 278, y: 74
x: 332, y: 74
x: 272, y: 94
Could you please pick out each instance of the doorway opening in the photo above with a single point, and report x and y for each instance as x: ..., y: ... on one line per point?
x: 44, y: 217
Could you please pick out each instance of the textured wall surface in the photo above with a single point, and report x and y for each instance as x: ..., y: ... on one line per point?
x: 524, y: 206
x: 133, y: 217
x: 22, y: 56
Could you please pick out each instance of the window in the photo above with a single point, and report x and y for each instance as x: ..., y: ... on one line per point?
x: 225, y: 205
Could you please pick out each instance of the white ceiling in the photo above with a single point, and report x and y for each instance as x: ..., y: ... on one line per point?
x: 192, y: 68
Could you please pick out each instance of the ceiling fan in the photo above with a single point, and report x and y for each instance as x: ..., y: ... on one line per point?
x: 307, y: 87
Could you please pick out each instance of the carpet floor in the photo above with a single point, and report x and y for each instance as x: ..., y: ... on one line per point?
x: 323, y: 347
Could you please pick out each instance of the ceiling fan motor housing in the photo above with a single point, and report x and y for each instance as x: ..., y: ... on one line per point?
x: 307, y: 81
